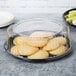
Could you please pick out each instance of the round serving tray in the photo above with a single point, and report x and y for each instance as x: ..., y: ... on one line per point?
x: 65, y: 13
x: 9, y: 43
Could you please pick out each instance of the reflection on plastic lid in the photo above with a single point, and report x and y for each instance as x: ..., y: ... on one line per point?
x: 37, y: 25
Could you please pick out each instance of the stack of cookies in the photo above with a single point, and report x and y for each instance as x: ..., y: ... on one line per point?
x: 39, y: 45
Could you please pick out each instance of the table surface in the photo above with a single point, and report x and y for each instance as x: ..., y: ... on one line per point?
x: 10, y: 66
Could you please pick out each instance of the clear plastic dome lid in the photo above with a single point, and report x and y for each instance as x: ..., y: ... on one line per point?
x: 27, y: 27
x: 37, y: 24
x: 38, y: 38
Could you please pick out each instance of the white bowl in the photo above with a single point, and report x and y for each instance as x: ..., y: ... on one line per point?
x: 6, y: 18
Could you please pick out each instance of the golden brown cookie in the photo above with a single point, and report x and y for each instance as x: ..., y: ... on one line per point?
x: 24, y: 50
x: 38, y: 39
x: 37, y: 42
x: 61, y: 40
x: 14, y: 51
x: 27, y: 50
x: 59, y: 51
x: 51, y: 45
x: 39, y: 55
x: 20, y: 40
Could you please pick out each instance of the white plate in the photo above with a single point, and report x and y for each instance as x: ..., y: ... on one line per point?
x: 6, y: 18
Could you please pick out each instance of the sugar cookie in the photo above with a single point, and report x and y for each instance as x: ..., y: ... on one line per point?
x: 14, y: 51
x: 61, y: 40
x: 20, y: 40
x: 24, y: 50
x: 39, y: 55
x: 37, y: 42
x: 59, y: 51
x: 39, y: 39
x: 27, y: 50
x: 41, y: 34
x: 51, y: 45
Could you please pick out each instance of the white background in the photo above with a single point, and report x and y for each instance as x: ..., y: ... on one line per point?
x: 37, y: 6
